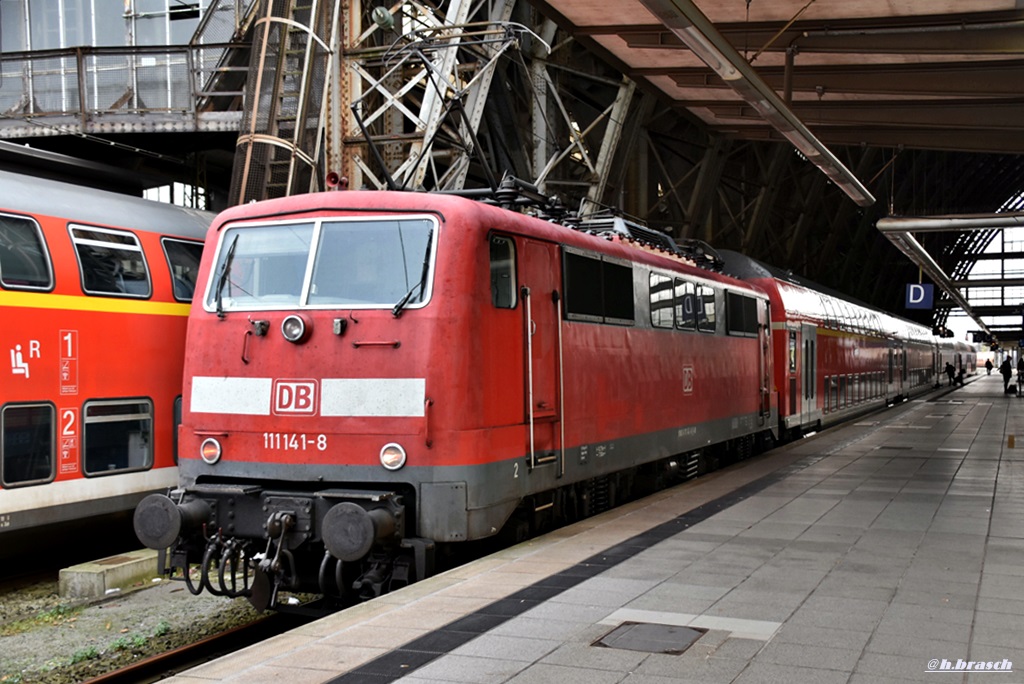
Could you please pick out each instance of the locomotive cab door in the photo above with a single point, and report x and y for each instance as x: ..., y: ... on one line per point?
x: 543, y: 343
x: 809, y: 374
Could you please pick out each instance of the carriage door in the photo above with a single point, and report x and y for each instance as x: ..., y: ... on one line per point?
x: 901, y: 367
x: 809, y: 368
x: 764, y: 339
x: 542, y: 329
x: 794, y: 390
x: 895, y: 370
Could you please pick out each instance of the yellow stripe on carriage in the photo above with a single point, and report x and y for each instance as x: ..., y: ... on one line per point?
x: 47, y: 300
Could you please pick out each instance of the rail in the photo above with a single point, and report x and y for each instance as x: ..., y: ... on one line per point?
x: 158, y: 667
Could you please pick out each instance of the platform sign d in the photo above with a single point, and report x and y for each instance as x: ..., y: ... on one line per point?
x: 920, y: 296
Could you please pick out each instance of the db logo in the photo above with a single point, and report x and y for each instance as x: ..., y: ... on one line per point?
x: 295, y: 397
x: 687, y: 379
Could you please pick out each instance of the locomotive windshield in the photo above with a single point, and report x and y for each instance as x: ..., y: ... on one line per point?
x: 324, y: 264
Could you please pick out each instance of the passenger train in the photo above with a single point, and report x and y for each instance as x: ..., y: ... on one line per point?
x: 834, y: 358
x: 375, y: 375
x: 94, y: 297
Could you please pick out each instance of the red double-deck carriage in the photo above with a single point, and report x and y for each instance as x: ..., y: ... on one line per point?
x: 94, y: 296
x: 835, y: 358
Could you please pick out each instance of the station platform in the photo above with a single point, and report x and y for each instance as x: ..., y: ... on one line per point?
x: 887, y: 550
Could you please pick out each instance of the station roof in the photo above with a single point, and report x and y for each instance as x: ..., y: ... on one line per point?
x: 940, y: 77
x: 920, y: 98
x: 940, y: 74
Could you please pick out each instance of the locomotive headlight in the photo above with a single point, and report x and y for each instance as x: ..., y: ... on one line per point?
x: 210, y: 451
x: 296, y: 328
x: 392, y: 456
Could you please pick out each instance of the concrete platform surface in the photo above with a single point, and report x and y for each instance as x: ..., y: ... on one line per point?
x: 887, y: 550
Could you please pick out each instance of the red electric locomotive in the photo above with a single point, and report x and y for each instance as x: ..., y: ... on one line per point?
x: 373, y: 373
x: 94, y: 295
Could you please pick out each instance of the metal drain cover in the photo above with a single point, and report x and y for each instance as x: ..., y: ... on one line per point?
x: 650, y: 638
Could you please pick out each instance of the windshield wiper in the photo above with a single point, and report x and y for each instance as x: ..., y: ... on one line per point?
x: 222, y: 277
x: 397, y: 311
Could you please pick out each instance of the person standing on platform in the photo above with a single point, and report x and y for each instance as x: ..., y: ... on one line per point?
x: 988, y: 366
x: 1007, y: 370
x: 951, y: 373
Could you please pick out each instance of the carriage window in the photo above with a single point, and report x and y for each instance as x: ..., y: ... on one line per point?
x: 24, y: 263
x: 750, y: 315
x: 583, y: 299
x: 503, y: 272
x: 845, y: 315
x: 111, y: 262
x: 117, y: 436
x: 686, y: 305
x: 740, y: 314
x: 618, y: 293
x: 28, y: 453
x: 705, y: 309
x: 661, y: 301
x: 830, y: 313
x: 597, y: 289
x: 183, y: 260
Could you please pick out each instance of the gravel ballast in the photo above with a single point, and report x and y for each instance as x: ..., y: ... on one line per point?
x: 47, y: 639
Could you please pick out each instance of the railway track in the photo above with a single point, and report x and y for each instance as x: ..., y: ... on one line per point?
x: 163, y: 665
x: 152, y: 630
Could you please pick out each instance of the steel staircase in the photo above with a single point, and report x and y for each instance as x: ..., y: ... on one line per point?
x: 278, y: 142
